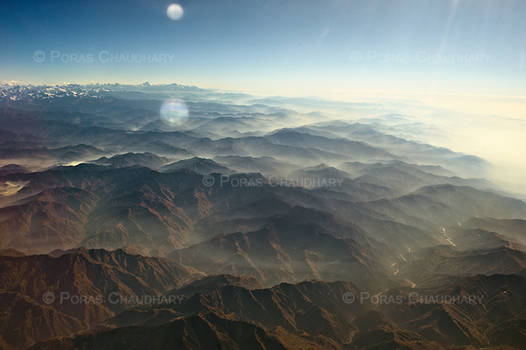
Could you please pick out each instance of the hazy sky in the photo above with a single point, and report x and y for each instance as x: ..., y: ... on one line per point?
x: 464, y: 57
x: 331, y: 48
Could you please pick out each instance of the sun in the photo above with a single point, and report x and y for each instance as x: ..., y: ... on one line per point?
x: 174, y: 11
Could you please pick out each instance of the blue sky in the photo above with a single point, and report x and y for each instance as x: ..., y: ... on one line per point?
x: 272, y: 46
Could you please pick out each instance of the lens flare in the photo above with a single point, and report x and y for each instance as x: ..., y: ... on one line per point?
x: 174, y: 112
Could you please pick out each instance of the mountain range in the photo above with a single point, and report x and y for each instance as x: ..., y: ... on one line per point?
x: 251, y: 225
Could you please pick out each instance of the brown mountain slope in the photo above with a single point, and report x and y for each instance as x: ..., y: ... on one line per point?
x: 208, y: 283
x: 514, y: 229
x: 286, y: 250
x: 430, y: 263
x: 54, y: 218
x: 24, y: 321
x: 314, y: 308
x: 207, y: 331
x: 86, y: 286
x: 156, y: 213
x: 495, y: 299
x: 313, y: 315
x: 387, y: 337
